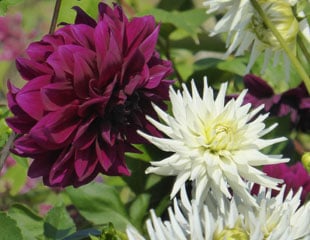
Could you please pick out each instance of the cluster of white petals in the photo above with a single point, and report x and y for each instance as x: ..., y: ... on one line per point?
x: 214, y: 145
x: 275, y: 219
x: 246, y: 30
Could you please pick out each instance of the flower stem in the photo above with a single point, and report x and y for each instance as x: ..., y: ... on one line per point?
x: 303, y: 48
x: 301, y: 71
x: 55, y: 16
x: 6, y: 149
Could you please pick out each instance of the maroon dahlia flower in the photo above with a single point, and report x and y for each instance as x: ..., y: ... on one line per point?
x: 89, y: 87
x: 294, y: 102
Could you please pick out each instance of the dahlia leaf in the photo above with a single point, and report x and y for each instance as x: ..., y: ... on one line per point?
x: 100, y: 203
x: 15, y: 176
x: 30, y: 223
x: 138, y: 209
x: 4, y: 4
x: 8, y: 228
x: 58, y: 224
x: 180, y: 20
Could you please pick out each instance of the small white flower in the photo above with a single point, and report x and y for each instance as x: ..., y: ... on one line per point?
x: 278, y: 218
x: 245, y: 28
x: 216, y: 146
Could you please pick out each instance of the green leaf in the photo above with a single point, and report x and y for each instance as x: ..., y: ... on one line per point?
x: 16, y: 177
x: 4, y: 4
x: 83, y: 234
x: 31, y: 224
x: 139, y: 209
x: 58, y: 224
x: 100, y: 204
x: 67, y: 14
x: 8, y: 228
x: 181, y: 21
x: 233, y: 65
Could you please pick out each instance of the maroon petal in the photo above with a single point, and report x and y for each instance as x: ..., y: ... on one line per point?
x: 257, y: 86
x: 30, y: 94
x: 83, y: 18
x: 85, y: 163
x: 30, y: 69
x: 56, y: 129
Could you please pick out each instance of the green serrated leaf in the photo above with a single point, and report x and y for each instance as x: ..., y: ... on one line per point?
x: 180, y: 20
x: 58, y: 224
x: 100, y: 204
x: 30, y: 223
x: 8, y: 228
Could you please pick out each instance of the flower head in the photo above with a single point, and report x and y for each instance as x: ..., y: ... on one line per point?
x: 89, y: 86
x: 216, y: 146
x: 246, y: 29
x: 277, y: 218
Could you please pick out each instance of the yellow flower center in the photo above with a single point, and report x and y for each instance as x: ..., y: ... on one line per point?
x: 281, y: 15
x: 219, y: 137
x: 236, y: 233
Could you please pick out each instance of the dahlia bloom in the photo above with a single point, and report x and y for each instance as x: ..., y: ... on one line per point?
x: 216, y: 146
x: 277, y: 218
x: 89, y: 86
x: 246, y: 30
x: 295, y: 101
x: 295, y: 177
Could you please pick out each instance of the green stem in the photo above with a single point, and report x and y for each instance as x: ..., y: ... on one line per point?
x: 303, y: 48
x: 6, y: 149
x: 55, y: 17
x: 300, y: 70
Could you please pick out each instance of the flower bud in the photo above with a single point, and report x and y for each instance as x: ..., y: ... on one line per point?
x: 306, y: 161
x: 281, y: 16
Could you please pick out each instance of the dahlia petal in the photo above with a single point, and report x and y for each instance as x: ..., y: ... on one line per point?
x: 109, y: 56
x: 55, y: 130
x: 86, y: 134
x: 30, y: 69
x: 83, y: 34
x: 26, y: 146
x: 39, y: 50
x: 85, y: 163
x: 106, y: 156
x: 83, y: 18
x: 107, y: 135
x: 148, y: 45
x: 30, y: 94
x: 139, y: 29
x: 257, y: 87
x: 57, y: 95
x: 41, y: 165
x: 61, y: 173
x: 82, y: 74
x: 21, y: 124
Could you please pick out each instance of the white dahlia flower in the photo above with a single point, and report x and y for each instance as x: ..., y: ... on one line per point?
x: 246, y: 30
x: 214, y: 145
x: 275, y: 219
